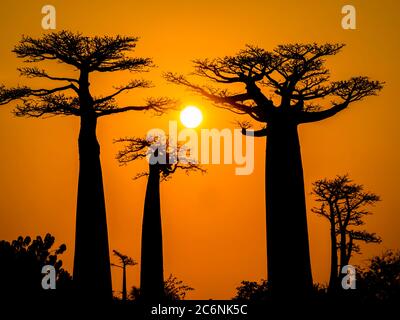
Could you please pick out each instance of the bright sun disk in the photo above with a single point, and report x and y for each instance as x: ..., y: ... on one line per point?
x: 191, y: 117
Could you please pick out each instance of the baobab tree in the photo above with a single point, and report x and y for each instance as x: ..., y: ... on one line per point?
x: 344, y: 204
x: 124, y: 261
x: 281, y: 89
x: 163, y: 162
x: 86, y: 56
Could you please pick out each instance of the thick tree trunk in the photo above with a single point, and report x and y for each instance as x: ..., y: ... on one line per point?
x: 92, y: 275
x: 151, y: 270
x: 289, y: 267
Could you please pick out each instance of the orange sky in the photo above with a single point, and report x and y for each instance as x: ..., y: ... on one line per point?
x: 214, y: 225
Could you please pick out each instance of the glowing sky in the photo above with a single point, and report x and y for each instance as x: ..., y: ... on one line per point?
x: 214, y: 224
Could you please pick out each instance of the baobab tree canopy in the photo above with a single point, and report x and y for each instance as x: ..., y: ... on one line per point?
x: 284, y: 82
x: 168, y: 158
x: 87, y: 55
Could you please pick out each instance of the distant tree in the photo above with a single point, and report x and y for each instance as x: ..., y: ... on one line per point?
x: 161, y: 167
x: 124, y: 261
x: 21, y: 263
x: 380, y: 280
x: 344, y: 204
x: 174, y: 289
x: 252, y: 291
x: 281, y: 89
x: 87, y: 56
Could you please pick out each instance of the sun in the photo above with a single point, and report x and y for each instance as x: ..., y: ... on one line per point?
x: 191, y: 117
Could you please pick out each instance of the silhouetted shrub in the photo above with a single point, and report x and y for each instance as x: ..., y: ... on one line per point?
x: 21, y: 263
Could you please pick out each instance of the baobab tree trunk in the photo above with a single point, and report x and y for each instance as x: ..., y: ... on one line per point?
x: 92, y: 274
x: 151, y: 269
x: 289, y: 268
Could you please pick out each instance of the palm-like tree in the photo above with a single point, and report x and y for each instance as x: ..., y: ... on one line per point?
x: 124, y: 261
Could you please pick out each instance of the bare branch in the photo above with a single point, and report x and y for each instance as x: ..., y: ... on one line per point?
x: 365, y: 236
x: 8, y: 95
x: 357, y: 88
x: 158, y: 105
x: 49, y: 105
x: 17, y: 93
x: 135, y: 148
x: 38, y: 73
x: 250, y: 64
x: 221, y: 98
x: 350, y: 91
x: 131, y: 85
x: 305, y: 116
x: 246, y: 125
x: 44, y: 92
x: 130, y: 64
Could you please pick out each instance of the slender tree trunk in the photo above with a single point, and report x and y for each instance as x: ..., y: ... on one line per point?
x: 349, y: 249
x: 124, y: 295
x: 343, y: 254
x: 289, y: 268
x: 343, y: 249
x: 151, y: 270
x: 333, y: 279
x: 92, y: 274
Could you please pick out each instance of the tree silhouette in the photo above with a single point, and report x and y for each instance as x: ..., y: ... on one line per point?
x: 344, y: 204
x: 163, y: 162
x: 174, y: 289
x: 21, y: 263
x: 124, y: 261
x: 252, y: 291
x: 87, y: 55
x: 281, y: 90
x: 380, y: 281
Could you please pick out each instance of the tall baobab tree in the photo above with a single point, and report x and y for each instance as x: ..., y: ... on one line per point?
x: 281, y: 89
x: 86, y: 55
x: 161, y: 167
x: 124, y: 261
x: 344, y: 204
